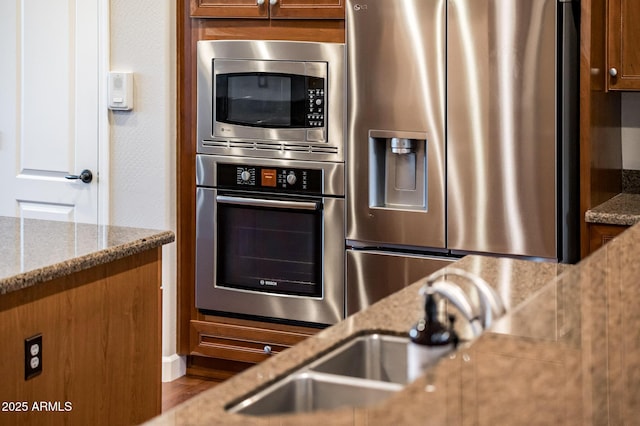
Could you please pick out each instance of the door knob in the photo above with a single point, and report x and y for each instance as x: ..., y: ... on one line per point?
x: 85, y: 176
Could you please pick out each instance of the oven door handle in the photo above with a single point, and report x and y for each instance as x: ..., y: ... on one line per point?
x: 261, y: 202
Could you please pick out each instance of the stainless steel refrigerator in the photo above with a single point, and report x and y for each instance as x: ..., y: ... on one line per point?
x: 462, y: 136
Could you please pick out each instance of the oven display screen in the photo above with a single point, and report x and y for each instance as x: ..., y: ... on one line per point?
x: 269, y: 177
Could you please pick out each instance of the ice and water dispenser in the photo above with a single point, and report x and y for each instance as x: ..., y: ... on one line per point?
x: 397, y: 170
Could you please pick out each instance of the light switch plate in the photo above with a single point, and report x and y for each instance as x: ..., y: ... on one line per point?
x: 120, y: 91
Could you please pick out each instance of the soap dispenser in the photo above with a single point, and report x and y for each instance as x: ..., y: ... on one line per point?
x: 430, y: 338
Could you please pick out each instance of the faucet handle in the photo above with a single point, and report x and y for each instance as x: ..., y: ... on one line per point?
x: 457, y: 297
x: 492, y: 305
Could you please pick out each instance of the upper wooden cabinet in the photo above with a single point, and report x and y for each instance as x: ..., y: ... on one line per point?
x: 265, y: 9
x: 623, y: 35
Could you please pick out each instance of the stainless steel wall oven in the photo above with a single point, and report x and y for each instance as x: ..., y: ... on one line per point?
x: 270, y: 238
x: 270, y: 214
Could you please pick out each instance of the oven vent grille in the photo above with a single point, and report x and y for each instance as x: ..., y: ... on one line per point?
x: 266, y: 146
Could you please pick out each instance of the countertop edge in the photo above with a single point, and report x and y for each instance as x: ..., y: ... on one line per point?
x: 622, y: 209
x: 56, y: 270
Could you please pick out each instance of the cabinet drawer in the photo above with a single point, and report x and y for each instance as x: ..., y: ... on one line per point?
x: 244, y: 340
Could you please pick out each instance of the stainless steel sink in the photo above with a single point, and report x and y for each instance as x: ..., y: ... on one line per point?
x: 310, y: 391
x: 361, y: 371
x: 375, y: 356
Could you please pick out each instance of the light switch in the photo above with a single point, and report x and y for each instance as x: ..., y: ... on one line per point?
x: 120, y: 91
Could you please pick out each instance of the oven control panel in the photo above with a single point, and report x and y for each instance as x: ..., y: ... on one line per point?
x: 269, y: 178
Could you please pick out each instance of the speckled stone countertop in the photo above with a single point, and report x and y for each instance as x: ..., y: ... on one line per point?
x: 567, y: 353
x: 33, y: 251
x: 623, y: 209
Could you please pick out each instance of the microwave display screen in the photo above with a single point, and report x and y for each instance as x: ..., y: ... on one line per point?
x: 269, y: 100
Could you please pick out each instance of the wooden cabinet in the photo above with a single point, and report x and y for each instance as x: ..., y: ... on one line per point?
x: 232, y: 345
x: 219, y: 347
x: 599, y: 235
x: 101, y: 345
x: 265, y: 9
x: 623, y: 37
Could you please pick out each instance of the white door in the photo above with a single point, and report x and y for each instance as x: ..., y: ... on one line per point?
x: 49, y: 109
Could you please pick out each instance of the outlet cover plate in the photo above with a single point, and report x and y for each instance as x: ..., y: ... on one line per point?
x: 32, y: 356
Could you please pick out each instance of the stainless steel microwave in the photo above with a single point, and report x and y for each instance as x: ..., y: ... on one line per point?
x: 254, y: 98
x: 270, y: 96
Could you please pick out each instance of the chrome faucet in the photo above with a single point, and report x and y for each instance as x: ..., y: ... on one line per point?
x: 490, y: 305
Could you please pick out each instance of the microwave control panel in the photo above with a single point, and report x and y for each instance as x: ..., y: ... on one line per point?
x: 315, y: 102
x: 260, y: 178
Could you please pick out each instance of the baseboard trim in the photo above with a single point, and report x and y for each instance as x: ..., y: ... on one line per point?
x: 173, y: 367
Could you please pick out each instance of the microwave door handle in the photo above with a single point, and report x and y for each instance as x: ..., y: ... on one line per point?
x: 261, y: 202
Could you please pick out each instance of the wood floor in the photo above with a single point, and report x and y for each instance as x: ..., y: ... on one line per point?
x: 179, y: 390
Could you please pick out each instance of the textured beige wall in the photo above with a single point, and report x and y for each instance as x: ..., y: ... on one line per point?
x: 142, y: 151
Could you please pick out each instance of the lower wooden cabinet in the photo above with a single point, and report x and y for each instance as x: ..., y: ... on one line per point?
x: 599, y: 234
x: 225, y: 346
x: 101, y: 346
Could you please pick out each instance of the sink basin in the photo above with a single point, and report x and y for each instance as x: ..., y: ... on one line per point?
x: 310, y: 391
x: 376, y: 356
x: 361, y: 371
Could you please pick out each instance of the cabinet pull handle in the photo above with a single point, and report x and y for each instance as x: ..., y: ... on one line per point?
x: 613, y: 72
x: 259, y: 2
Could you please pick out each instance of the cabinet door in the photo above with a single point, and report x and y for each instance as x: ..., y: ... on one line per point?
x: 230, y: 8
x: 277, y: 9
x: 599, y: 235
x: 307, y: 9
x: 623, y: 38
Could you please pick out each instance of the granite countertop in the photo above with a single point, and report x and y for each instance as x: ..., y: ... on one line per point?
x: 515, y: 280
x: 567, y: 353
x: 623, y: 209
x: 33, y: 251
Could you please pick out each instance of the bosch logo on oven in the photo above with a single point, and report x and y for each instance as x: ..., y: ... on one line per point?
x: 269, y: 283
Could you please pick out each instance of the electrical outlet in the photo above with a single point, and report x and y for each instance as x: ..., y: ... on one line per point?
x: 32, y: 356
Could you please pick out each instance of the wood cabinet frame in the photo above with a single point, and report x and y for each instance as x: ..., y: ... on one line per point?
x: 198, y: 335
x: 600, y: 121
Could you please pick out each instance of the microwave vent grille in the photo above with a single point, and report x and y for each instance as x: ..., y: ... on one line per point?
x: 324, y: 149
x: 262, y: 148
x: 299, y: 148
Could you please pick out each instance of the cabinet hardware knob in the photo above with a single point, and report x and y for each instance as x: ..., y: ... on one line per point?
x: 273, y: 2
x: 267, y: 349
x: 259, y: 2
x: 613, y: 72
